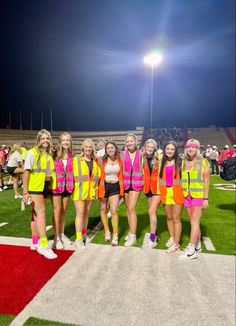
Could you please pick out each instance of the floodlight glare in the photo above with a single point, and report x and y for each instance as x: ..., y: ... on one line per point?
x: 153, y: 59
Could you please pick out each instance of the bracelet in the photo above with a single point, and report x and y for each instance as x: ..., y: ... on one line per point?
x: 25, y: 192
x: 205, y: 198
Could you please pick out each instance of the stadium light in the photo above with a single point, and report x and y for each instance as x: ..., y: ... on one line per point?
x: 152, y: 60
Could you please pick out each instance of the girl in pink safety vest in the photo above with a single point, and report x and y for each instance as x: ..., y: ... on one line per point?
x: 60, y: 196
x: 133, y: 184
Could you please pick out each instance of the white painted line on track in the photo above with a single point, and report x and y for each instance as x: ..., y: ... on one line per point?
x: 93, y: 233
x: 3, y: 223
x: 208, y: 244
x: 48, y: 227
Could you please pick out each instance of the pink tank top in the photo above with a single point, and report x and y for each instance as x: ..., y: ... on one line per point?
x: 169, y: 175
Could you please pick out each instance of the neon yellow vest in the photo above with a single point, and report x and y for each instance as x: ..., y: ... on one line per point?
x: 86, y: 187
x: 38, y: 173
x: 23, y: 152
x: 193, y: 182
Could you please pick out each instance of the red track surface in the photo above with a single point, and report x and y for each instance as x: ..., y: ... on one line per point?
x: 23, y: 273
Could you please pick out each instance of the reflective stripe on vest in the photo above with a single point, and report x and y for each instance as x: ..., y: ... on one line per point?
x: 196, y: 186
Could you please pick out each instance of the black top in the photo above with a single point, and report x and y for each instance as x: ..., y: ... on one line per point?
x: 149, y: 162
x: 90, y: 166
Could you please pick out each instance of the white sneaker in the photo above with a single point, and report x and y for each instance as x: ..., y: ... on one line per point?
x: 57, y: 243
x: 198, y: 246
x: 114, y: 242
x: 34, y: 246
x: 80, y: 244
x: 127, y: 237
x: 5, y: 187
x: 18, y: 196
x: 46, y: 252
x: 172, y: 249
x: 108, y: 236
x: 170, y: 242
x: 1, y: 189
x: 65, y: 239
x: 189, y: 253
x: 151, y: 244
x: 131, y: 241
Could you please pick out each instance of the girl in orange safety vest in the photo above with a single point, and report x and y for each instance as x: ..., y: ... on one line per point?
x: 110, y: 188
x: 151, y: 187
x: 86, y: 176
x: 171, y: 194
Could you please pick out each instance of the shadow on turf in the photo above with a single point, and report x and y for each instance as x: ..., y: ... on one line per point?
x: 228, y: 207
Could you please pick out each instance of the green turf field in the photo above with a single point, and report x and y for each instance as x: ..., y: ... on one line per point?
x: 218, y: 221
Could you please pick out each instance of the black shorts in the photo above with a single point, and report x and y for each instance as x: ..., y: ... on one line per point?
x: 44, y: 192
x: 150, y: 194
x: 130, y: 189
x: 65, y: 193
x: 11, y: 169
x: 112, y: 189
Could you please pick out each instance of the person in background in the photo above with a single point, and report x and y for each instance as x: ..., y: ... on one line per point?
x: 151, y: 187
x: 214, y: 157
x: 208, y: 152
x: 232, y: 151
x: 225, y: 154
x: 133, y: 184
x: 110, y: 189
x: 2, y: 160
x: 38, y: 177
x: 195, y: 183
x: 101, y: 147
x: 15, y: 167
x: 172, y: 194
x: 86, y: 176
x: 60, y: 196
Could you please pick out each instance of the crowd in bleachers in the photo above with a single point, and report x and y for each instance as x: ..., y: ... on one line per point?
x: 162, y: 135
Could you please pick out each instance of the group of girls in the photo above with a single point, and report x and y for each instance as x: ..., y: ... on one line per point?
x: 86, y: 177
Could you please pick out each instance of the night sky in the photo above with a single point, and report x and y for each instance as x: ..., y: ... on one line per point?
x: 84, y: 61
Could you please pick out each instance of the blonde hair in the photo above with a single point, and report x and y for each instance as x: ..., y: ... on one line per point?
x: 59, y: 150
x: 88, y: 141
x: 198, y: 156
x: 16, y: 147
x: 130, y: 134
x: 155, y: 161
x: 101, y: 140
x: 38, y: 139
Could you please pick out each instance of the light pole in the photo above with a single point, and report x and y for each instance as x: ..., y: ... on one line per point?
x: 152, y: 60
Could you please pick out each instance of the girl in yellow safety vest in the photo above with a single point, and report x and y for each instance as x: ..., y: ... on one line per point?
x: 38, y: 176
x: 195, y: 183
x: 86, y: 176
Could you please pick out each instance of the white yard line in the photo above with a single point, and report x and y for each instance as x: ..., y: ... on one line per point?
x: 48, y: 227
x: 3, y: 223
x: 208, y: 244
x: 94, y: 232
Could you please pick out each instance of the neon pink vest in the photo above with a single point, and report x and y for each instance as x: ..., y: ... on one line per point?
x: 132, y: 174
x: 64, y: 180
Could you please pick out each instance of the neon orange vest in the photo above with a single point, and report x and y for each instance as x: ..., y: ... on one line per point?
x: 151, y: 181
x: 101, y: 185
x: 177, y: 188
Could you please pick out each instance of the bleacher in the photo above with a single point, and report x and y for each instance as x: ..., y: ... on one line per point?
x: 204, y: 135
x: 217, y: 137
x: 11, y: 136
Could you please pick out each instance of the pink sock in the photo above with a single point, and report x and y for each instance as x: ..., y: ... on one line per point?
x: 84, y: 231
x: 35, y: 239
